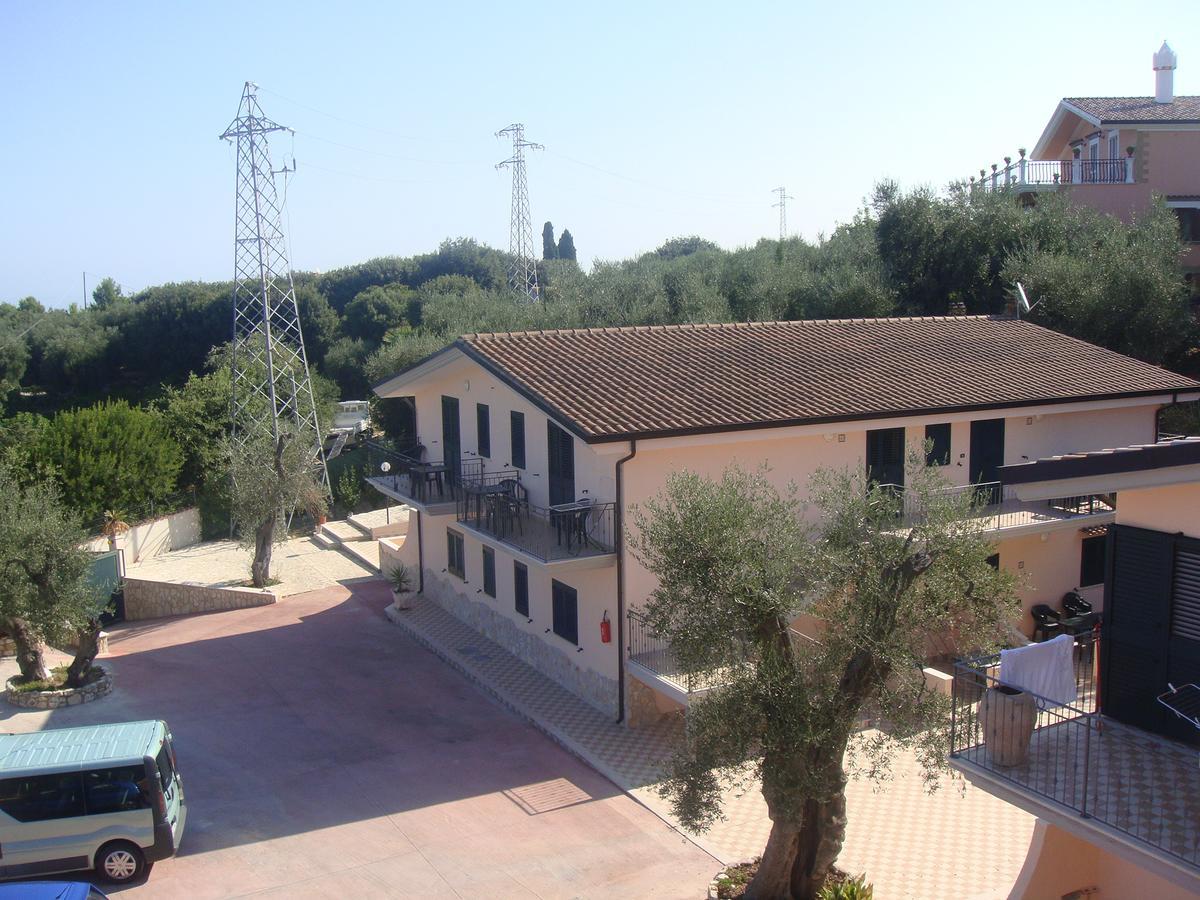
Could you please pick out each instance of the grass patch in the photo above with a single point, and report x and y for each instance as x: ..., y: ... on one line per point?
x: 838, y: 886
x: 56, y: 682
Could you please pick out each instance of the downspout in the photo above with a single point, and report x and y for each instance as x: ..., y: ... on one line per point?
x: 420, y: 557
x: 620, y: 529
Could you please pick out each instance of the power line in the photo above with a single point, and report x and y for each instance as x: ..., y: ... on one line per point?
x: 522, y: 269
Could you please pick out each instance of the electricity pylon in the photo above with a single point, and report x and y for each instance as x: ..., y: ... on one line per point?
x: 784, y: 197
x: 522, y: 271
x: 272, y: 390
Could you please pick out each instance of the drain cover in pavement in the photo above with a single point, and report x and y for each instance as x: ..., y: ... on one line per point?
x: 546, y: 796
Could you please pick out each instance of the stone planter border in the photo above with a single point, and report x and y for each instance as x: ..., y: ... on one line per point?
x: 58, y: 699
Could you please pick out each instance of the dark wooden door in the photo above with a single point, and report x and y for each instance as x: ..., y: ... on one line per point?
x: 885, y: 456
x: 987, y: 454
x: 451, y: 439
x: 561, y: 450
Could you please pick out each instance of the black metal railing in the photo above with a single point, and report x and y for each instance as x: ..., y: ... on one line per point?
x: 1102, y: 171
x: 1069, y: 754
x: 1050, y: 173
x: 403, y: 473
x: 652, y: 652
x: 496, y: 504
x: 999, y: 505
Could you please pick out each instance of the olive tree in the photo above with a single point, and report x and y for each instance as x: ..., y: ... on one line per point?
x: 270, y: 477
x: 737, y: 561
x: 48, y: 596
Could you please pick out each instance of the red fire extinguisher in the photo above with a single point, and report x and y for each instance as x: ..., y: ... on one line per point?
x: 605, y: 629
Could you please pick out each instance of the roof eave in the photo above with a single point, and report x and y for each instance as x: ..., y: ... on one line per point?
x: 419, y: 369
x: 1041, y: 147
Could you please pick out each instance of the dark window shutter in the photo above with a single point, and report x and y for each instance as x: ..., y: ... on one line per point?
x: 521, y: 589
x: 456, y: 562
x: 1185, y: 605
x: 566, y: 612
x: 885, y: 456
x: 517, y: 425
x: 489, y: 571
x: 483, y: 429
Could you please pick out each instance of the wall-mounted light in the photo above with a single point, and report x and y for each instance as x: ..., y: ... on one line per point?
x: 841, y: 439
x: 1029, y: 420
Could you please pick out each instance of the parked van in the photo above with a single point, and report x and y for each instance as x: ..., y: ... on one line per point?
x: 107, y: 797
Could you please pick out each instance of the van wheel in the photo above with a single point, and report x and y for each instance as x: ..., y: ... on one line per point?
x: 120, y: 862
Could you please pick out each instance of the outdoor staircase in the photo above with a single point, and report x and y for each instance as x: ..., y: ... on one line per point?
x: 352, y: 539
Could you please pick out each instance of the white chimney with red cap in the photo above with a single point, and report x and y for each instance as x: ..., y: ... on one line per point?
x: 1164, y: 74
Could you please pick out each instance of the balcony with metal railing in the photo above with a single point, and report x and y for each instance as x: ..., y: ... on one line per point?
x: 1131, y: 791
x: 496, y: 505
x: 997, y: 507
x: 405, y: 475
x: 1029, y: 175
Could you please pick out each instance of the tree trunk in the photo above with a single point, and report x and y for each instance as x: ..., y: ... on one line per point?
x: 264, y: 541
x: 30, y: 660
x: 85, y: 654
x: 773, y: 880
x: 818, y: 844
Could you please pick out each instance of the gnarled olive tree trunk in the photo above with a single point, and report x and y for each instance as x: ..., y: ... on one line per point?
x: 264, y: 543
x: 87, y: 647
x: 30, y: 658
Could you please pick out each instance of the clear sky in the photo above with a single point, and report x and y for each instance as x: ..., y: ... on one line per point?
x: 659, y: 119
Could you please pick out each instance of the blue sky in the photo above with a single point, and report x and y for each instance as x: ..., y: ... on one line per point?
x: 659, y: 119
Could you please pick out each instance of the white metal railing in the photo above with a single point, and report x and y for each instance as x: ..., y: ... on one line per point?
x: 1050, y: 173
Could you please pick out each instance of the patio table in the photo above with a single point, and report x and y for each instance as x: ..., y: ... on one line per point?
x: 571, y: 518
x: 422, y: 473
x: 479, y: 493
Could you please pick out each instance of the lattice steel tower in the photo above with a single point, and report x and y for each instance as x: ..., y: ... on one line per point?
x: 272, y: 389
x: 784, y: 197
x: 522, y: 271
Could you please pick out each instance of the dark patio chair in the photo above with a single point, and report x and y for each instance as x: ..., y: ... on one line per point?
x: 1046, y: 621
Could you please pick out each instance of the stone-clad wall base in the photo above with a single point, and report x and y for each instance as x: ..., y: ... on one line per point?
x: 58, y: 699
x: 596, y: 689
x: 156, y: 599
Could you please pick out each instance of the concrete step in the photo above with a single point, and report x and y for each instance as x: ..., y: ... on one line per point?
x: 365, y: 552
x: 382, y: 522
x: 322, y: 541
x: 341, y: 531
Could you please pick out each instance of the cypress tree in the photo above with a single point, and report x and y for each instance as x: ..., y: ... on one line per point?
x: 549, y: 248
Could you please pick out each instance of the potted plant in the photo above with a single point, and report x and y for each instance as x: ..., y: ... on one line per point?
x: 1008, y: 715
x: 114, y: 526
x: 1129, y: 150
x: 401, y: 579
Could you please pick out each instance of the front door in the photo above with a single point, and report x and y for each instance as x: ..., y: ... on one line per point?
x: 987, y: 455
x: 561, y: 450
x: 451, y: 439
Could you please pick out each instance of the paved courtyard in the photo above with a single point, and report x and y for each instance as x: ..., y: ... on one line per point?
x: 959, y: 843
x: 326, y: 754
x: 300, y: 564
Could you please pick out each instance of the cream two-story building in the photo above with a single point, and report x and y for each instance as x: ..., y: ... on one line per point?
x: 533, y: 447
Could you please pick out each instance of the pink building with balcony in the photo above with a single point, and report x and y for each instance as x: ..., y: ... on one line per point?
x: 1115, y: 154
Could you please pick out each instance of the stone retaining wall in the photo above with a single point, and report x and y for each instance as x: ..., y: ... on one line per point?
x: 57, y: 699
x: 591, y: 686
x: 155, y: 599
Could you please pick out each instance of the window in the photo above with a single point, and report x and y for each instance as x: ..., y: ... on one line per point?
x: 937, y: 443
x: 115, y: 790
x: 885, y: 456
x: 521, y: 589
x: 483, y: 429
x: 1189, y: 222
x: 1092, y: 555
x: 36, y: 798
x: 566, y: 612
x: 455, y: 555
x: 1114, y: 145
x: 994, y: 561
x: 489, y: 571
x: 517, y: 424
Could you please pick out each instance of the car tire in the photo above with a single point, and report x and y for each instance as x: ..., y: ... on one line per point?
x: 121, y: 862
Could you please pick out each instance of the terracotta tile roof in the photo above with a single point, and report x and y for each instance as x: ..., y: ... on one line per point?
x: 1136, y: 110
x: 613, y: 383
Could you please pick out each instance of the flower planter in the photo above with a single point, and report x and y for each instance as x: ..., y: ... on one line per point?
x: 402, y: 599
x: 1008, y: 716
x: 66, y: 697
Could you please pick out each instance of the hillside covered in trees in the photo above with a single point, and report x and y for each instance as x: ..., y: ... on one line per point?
x: 914, y: 253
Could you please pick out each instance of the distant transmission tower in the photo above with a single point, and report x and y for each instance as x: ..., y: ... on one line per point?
x: 784, y: 197
x: 522, y: 272
x: 272, y: 390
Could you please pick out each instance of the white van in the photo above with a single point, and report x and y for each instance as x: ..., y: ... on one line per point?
x: 107, y: 797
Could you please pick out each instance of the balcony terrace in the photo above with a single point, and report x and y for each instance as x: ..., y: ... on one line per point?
x: 1136, y: 793
x: 496, y: 505
x: 1028, y: 175
x: 997, y: 507
x: 432, y: 485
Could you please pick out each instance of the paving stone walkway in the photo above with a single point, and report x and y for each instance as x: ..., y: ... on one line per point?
x: 958, y: 843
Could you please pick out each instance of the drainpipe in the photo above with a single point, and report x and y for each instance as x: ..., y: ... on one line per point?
x: 420, y: 557
x: 619, y: 515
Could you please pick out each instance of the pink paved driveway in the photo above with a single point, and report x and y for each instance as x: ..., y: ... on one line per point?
x: 324, y: 754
